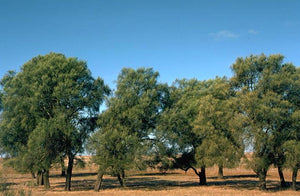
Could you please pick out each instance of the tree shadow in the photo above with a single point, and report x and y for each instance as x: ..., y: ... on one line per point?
x: 235, y: 176
x: 150, y: 182
x: 75, y: 175
x: 157, y: 174
x: 4, y: 186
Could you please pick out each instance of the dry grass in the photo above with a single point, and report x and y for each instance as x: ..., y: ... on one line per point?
x: 238, y: 181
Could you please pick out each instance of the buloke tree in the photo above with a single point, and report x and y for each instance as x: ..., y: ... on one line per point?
x: 49, y: 108
x: 222, y: 142
x: 125, y: 127
x: 269, y: 102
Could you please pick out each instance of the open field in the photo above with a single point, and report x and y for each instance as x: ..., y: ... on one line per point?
x: 239, y: 181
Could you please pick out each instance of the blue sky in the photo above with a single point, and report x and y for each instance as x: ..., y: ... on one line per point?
x: 178, y: 38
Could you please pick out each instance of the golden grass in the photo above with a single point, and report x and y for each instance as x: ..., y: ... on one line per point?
x: 238, y: 181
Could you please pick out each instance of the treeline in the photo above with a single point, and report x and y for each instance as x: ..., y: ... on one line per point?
x: 50, y: 112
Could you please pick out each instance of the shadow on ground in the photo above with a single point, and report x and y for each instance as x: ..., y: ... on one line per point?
x: 153, y: 181
x: 75, y: 175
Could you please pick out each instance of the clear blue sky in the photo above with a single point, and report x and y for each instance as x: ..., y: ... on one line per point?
x: 178, y: 38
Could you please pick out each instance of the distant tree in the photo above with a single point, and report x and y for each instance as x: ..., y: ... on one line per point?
x: 126, y: 125
x: 49, y: 108
x: 265, y: 90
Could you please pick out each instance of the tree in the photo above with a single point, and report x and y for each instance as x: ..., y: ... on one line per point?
x: 114, y: 148
x: 1, y: 95
x: 264, y: 88
x: 176, y: 125
x: 53, y: 102
x: 222, y: 142
x: 126, y: 125
x: 1, y: 107
x: 292, y: 153
x: 292, y: 145
x: 14, y: 131
x: 42, y: 150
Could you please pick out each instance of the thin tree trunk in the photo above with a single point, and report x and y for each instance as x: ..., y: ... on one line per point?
x: 69, y: 172
x: 202, y: 176
x: 220, y: 173
x: 281, y: 176
x: 294, y: 178
x: 98, y: 183
x: 63, y: 167
x: 120, y: 179
x: 40, y: 178
x: 123, y: 173
x: 124, y: 177
x: 262, y: 174
x: 46, y: 179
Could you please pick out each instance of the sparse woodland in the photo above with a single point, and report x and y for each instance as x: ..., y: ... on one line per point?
x: 50, y: 113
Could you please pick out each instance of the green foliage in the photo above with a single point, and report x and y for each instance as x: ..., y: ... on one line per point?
x: 175, y: 125
x: 200, y: 124
x: 269, y: 99
x: 1, y: 97
x: 221, y: 141
x: 125, y: 127
x: 49, y: 108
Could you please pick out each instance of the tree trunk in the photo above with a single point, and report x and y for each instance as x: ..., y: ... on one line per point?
x: 262, y: 174
x: 63, y: 167
x: 123, y: 173
x: 120, y: 180
x: 294, y: 178
x: 98, y: 183
x: 220, y: 173
x: 281, y: 176
x: 40, y: 178
x: 123, y: 177
x: 46, y: 179
x: 202, y: 176
x: 69, y: 172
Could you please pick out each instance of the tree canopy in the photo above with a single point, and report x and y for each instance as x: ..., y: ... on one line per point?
x: 268, y: 91
x: 126, y: 125
x: 49, y: 108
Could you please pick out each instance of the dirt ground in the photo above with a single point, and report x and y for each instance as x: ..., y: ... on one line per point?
x: 238, y: 181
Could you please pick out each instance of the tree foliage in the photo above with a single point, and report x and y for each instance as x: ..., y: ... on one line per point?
x: 126, y: 125
x: 177, y: 124
x: 269, y: 96
x: 49, y: 108
x: 222, y: 142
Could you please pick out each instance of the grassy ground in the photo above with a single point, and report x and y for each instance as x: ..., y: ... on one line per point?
x: 239, y: 181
